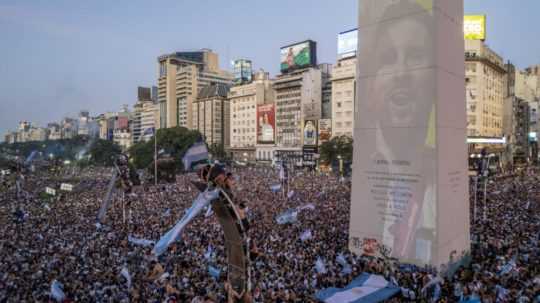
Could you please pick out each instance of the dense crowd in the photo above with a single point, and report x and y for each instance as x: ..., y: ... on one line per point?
x: 44, y: 239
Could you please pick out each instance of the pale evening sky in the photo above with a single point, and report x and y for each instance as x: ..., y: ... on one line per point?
x: 61, y: 56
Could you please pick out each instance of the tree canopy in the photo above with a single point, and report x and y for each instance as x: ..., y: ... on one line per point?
x: 172, y: 141
x: 337, y: 146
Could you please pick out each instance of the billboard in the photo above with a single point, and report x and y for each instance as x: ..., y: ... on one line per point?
x: 298, y: 55
x: 266, y: 123
x: 325, y: 130
x: 310, y: 133
x: 348, y: 43
x: 474, y: 27
x: 242, y: 71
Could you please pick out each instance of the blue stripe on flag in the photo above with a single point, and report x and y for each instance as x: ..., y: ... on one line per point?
x: 366, y: 288
x: 202, y: 200
x: 196, y: 154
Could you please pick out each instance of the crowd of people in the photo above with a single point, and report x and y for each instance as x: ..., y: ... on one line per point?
x: 46, y: 239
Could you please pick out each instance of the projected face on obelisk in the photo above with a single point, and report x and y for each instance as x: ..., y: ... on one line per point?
x: 396, y: 190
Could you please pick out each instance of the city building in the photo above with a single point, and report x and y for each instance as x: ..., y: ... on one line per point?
x: 242, y: 71
x: 534, y: 78
x: 343, y: 96
x: 69, y: 128
x: 181, y: 76
x: 83, y: 123
x: 122, y: 137
x: 145, y: 114
x: 211, y: 114
x: 10, y: 137
x: 55, y: 131
x: 245, y: 100
x: 37, y: 134
x: 298, y: 98
x: 326, y: 90
x: 485, y: 77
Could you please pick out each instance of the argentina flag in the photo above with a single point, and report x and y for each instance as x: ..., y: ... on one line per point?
x: 195, y: 156
x: 275, y: 188
x: 366, y: 288
x: 202, y: 200
x: 289, y: 216
x: 149, y: 132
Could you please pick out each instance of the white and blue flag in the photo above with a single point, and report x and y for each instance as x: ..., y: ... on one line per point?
x: 320, y: 266
x: 214, y: 272
x: 57, y: 291
x: 367, y: 288
x: 149, y: 132
x: 202, y: 200
x: 195, y: 156
x: 125, y: 273
x: 306, y: 235
x: 275, y: 188
x: 290, y: 194
x: 141, y: 242
x: 289, y: 216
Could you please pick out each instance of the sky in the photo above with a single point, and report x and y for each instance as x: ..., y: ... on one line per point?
x: 61, y: 56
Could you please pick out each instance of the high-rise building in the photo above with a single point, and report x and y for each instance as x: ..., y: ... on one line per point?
x: 245, y: 101
x: 343, y: 96
x: 485, y: 90
x: 534, y: 80
x: 55, y: 131
x: 326, y: 90
x: 243, y: 71
x: 83, y: 121
x: 145, y: 112
x: 144, y: 93
x: 298, y: 98
x: 69, y: 128
x: 211, y: 114
x: 181, y: 76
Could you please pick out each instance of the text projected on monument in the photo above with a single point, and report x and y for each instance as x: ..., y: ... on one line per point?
x: 409, y: 180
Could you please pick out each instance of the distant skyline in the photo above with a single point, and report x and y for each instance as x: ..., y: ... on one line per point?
x: 59, y: 57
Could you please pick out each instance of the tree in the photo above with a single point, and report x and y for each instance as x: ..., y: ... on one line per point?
x: 173, y: 141
x: 103, y: 152
x: 217, y: 151
x: 337, y: 146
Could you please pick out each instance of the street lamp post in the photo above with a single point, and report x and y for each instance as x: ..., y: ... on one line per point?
x: 340, y: 166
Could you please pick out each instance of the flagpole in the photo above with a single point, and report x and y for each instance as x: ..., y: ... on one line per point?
x: 155, y: 158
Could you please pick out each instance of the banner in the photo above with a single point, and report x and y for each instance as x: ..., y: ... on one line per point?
x: 266, y: 124
x: 50, y: 191
x: 325, y: 130
x: 310, y: 133
x: 66, y: 187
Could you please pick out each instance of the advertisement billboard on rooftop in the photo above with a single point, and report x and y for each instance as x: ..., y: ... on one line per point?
x: 474, y: 27
x: 298, y: 56
x: 347, y: 43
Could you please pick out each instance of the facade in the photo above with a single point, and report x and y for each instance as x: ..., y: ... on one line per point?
x: 485, y: 90
x: 326, y: 90
x: 55, y: 132
x: 181, y: 76
x: 145, y: 112
x: 298, y: 97
x: 69, y: 128
x: 37, y: 134
x: 343, y: 96
x: 534, y: 79
x: 211, y: 114
x: 244, y: 101
x: 83, y: 123
x: 122, y: 137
